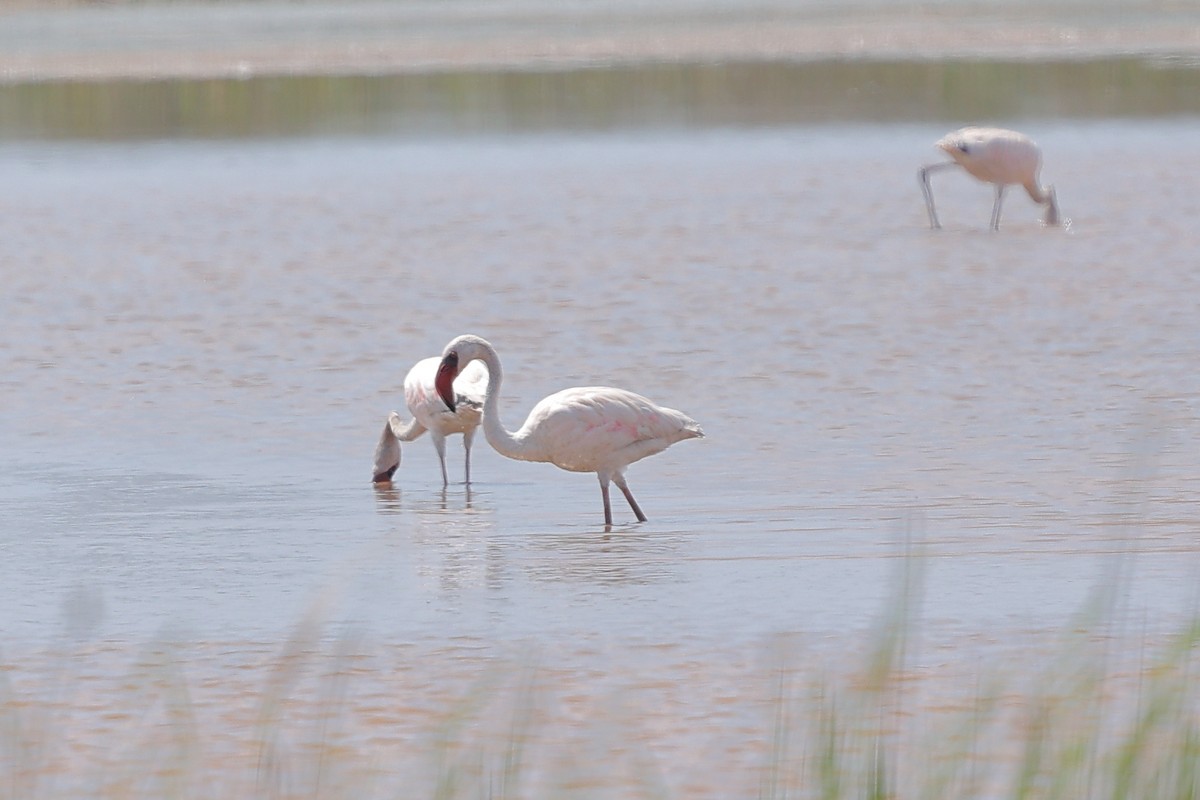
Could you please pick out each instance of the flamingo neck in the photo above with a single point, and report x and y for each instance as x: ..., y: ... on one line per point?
x: 1044, y: 196
x: 501, y: 440
x: 407, y: 431
x: 1037, y: 193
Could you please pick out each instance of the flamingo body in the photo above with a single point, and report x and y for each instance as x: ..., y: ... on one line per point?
x: 430, y: 414
x: 586, y: 429
x: 600, y: 429
x: 997, y: 156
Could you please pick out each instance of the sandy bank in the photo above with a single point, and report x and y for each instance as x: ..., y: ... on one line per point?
x: 192, y: 40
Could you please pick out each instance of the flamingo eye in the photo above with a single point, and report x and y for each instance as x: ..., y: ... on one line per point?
x: 964, y: 148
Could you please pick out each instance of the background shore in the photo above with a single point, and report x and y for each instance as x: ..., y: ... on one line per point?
x: 240, y: 39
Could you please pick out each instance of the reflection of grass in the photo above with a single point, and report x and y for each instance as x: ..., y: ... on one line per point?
x: 638, y: 96
x: 1077, y: 719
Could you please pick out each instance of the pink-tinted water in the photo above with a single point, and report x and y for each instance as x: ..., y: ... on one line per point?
x: 201, y: 342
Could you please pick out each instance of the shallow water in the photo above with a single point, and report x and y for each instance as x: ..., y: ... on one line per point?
x: 203, y: 338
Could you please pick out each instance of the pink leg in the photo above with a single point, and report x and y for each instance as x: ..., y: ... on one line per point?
x: 607, y: 505
x: 467, y: 437
x: 619, y: 480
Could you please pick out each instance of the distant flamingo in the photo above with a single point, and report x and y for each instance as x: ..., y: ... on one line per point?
x: 590, y: 429
x: 430, y: 414
x: 996, y: 156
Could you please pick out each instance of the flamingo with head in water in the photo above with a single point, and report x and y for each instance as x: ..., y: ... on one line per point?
x: 588, y: 429
x: 430, y: 414
x: 993, y: 155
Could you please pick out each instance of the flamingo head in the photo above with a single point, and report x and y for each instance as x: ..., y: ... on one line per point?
x: 444, y: 382
x: 956, y: 145
x: 1052, y: 215
x: 457, y: 355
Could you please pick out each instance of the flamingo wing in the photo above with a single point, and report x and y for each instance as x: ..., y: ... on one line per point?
x: 470, y: 387
x: 597, y: 428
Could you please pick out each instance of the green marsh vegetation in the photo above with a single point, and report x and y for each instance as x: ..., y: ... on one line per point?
x: 642, y: 96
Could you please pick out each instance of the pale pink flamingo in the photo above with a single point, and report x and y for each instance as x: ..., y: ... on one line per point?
x: 430, y: 414
x: 587, y: 429
x: 997, y: 156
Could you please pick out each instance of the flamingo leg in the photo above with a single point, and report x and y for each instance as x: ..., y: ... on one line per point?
x: 619, y: 480
x: 996, y: 208
x: 439, y: 443
x: 927, y: 188
x: 468, y: 435
x: 604, y: 494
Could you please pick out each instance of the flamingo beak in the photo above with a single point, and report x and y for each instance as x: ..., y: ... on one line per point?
x: 444, y: 382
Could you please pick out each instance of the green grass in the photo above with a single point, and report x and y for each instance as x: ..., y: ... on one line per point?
x: 647, y: 95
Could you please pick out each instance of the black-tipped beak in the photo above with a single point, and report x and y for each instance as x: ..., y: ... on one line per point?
x: 444, y: 382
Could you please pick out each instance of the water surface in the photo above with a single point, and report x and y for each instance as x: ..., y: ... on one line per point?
x: 203, y: 340
x: 208, y: 312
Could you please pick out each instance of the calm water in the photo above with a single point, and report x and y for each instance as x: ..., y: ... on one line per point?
x: 201, y: 339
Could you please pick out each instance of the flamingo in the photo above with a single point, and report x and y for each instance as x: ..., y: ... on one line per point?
x: 429, y: 414
x: 586, y: 429
x: 997, y: 156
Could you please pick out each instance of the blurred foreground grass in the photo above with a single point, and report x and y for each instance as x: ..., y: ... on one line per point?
x: 1097, y: 711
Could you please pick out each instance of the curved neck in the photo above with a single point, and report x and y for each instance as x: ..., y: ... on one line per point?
x: 406, y: 431
x: 1045, y: 196
x: 501, y: 440
x: 1037, y: 193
